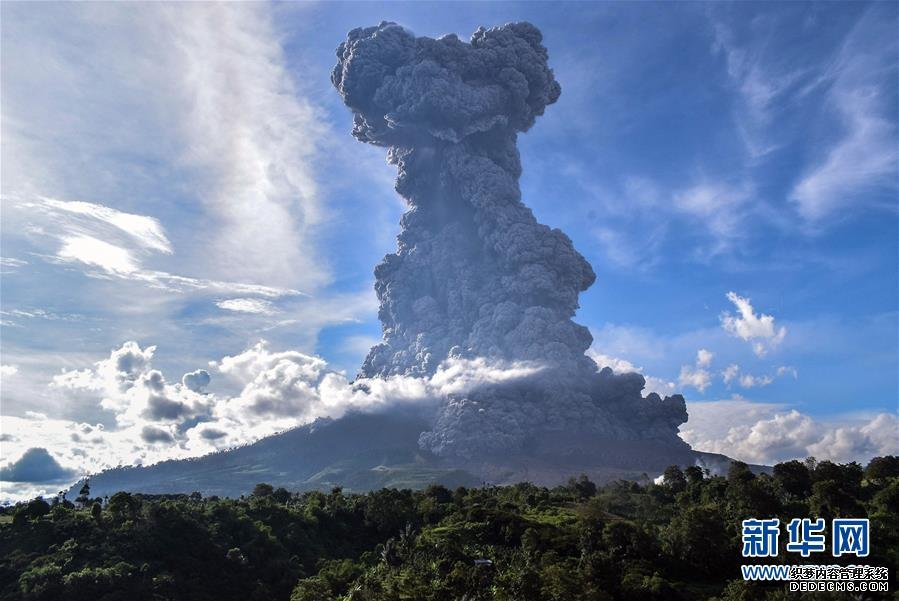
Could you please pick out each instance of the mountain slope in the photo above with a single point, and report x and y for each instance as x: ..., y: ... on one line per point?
x: 358, y: 451
x: 367, y: 451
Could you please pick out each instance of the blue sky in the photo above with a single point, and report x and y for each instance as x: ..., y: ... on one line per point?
x: 182, y: 176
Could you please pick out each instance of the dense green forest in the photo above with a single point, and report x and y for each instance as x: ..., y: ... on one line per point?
x: 677, y: 540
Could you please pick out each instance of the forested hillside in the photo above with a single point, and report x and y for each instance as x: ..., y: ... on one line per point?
x: 676, y: 540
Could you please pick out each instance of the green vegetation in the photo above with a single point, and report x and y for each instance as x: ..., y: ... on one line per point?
x: 677, y: 540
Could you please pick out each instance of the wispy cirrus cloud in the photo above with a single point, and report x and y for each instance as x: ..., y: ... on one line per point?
x: 641, y: 219
x: 252, y: 138
x: 109, y: 243
x: 224, y: 132
x: 158, y: 159
x: 862, y: 155
x: 762, y: 80
x: 246, y: 305
x: 11, y: 265
x: 97, y: 253
x: 719, y: 207
x: 147, y: 231
x: 847, y: 99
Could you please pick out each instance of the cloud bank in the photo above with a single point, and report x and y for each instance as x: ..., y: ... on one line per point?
x: 768, y: 433
x: 155, y: 419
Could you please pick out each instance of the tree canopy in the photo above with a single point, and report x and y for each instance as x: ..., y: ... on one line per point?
x: 679, y: 539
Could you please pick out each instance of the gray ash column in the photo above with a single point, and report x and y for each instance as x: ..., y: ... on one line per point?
x: 475, y: 274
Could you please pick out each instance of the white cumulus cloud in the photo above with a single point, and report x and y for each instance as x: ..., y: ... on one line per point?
x: 730, y: 373
x: 697, y: 376
x: 733, y: 373
x: 757, y: 329
x: 751, y: 381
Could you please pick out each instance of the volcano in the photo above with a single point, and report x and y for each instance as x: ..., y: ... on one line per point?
x: 475, y: 277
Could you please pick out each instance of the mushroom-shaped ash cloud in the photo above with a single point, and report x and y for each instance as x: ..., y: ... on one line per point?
x: 475, y: 274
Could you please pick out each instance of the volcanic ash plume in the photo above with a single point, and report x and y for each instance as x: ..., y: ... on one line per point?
x: 475, y: 275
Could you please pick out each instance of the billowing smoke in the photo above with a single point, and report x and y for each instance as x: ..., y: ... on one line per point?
x: 475, y: 274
